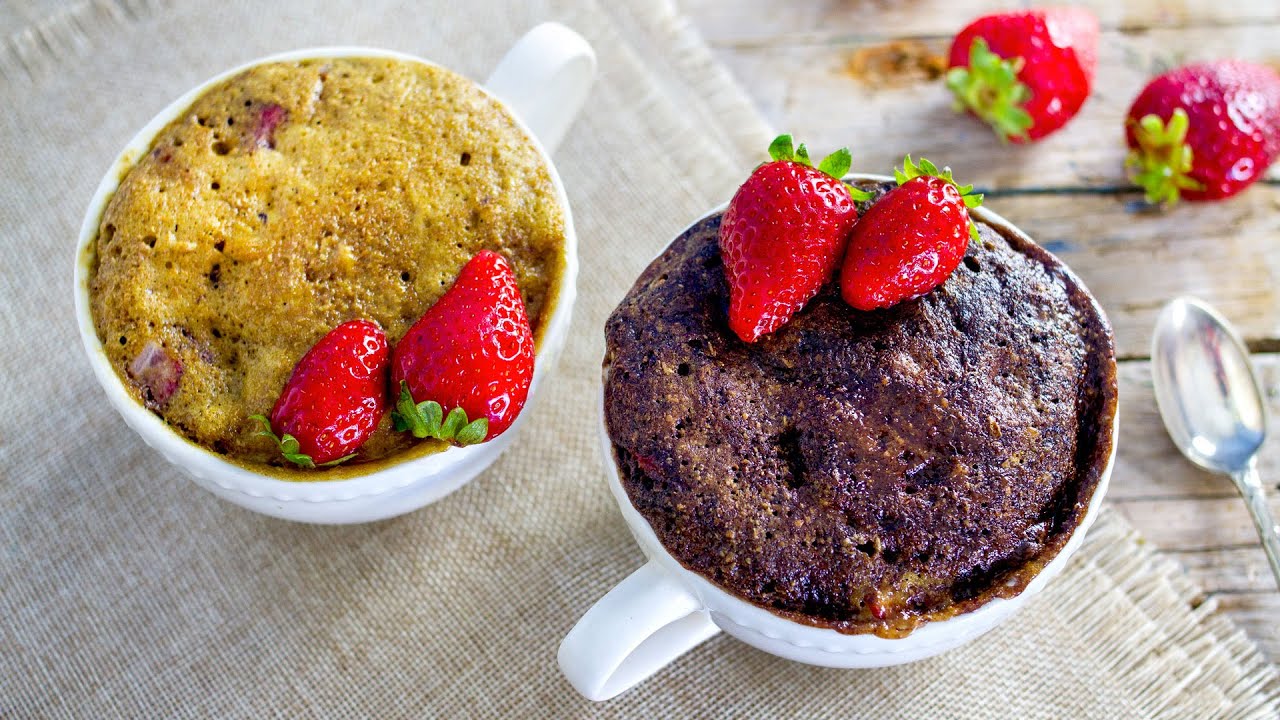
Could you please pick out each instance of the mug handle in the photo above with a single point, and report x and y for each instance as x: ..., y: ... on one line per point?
x: 638, y: 627
x: 544, y: 79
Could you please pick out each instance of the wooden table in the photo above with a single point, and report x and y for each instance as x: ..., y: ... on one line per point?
x: 866, y: 74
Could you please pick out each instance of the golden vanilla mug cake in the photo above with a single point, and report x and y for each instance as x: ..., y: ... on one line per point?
x: 295, y: 197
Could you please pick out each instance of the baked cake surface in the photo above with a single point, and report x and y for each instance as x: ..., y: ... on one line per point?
x: 864, y: 471
x: 296, y: 196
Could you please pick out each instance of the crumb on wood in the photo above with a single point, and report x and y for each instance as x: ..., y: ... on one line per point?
x: 898, y: 62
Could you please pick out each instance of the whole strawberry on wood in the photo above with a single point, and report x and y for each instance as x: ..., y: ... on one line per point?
x: 1205, y: 131
x: 910, y: 240
x: 782, y: 236
x: 334, y: 397
x: 1026, y: 73
x: 463, y: 370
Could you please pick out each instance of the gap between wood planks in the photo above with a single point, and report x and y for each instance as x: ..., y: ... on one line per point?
x: 826, y: 39
x: 768, y: 23
x: 1112, y: 190
x: 1257, y: 346
x: 884, y: 99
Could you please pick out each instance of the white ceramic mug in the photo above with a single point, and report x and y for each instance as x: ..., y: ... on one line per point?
x: 542, y: 81
x: 662, y: 610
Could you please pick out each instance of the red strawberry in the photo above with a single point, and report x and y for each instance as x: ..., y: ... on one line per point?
x: 470, y: 354
x: 156, y: 373
x: 1027, y: 72
x: 264, y: 131
x: 1204, y: 131
x: 782, y: 235
x: 334, y: 398
x: 910, y: 240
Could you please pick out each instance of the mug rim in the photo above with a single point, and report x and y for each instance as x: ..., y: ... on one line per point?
x: 208, y: 466
x: 923, y: 641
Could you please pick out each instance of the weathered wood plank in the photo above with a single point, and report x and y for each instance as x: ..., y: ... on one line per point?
x: 1259, y: 615
x: 885, y: 99
x: 1187, y: 524
x: 1228, y: 253
x: 777, y: 22
x: 1229, y: 570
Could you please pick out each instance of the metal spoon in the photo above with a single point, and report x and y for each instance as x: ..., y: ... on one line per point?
x: 1211, y: 403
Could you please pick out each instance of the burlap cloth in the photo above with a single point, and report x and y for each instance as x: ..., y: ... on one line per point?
x: 126, y: 591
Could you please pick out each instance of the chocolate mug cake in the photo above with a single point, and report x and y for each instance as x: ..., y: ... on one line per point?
x: 864, y: 471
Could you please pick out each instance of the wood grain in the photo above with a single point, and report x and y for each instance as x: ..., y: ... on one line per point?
x: 1258, y: 614
x: 1211, y: 523
x: 1134, y: 262
x: 865, y: 73
x: 823, y: 94
x: 1233, y: 570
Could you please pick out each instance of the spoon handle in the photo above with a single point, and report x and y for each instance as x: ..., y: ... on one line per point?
x: 1251, y: 488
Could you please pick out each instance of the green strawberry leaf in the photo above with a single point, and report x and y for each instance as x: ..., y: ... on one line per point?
x: 431, y: 414
x: 925, y: 168
x: 421, y: 419
x: 989, y: 88
x: 837, y: 164
x: 299, y: 459
x: 428, y: 420
x: 1163, y: 160
x: 288, y: 445
x: 802, y: 155
x: 339, y: 461
x: 266, y: 425
x: 453, y: 422
x: 474, y: 432
x: 781, y: 148
x: 858, y: 194
x: 406, y: 416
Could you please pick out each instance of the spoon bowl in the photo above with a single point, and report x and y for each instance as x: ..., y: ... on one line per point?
x: 1208, y: 396
x: 1211, y: 403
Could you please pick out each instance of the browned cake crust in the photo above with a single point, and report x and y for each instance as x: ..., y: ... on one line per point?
x: 864, y: 471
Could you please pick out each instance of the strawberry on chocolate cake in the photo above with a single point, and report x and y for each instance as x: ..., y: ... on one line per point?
x: 865, y: 470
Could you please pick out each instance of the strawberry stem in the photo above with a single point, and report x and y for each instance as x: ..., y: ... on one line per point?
x: 1162, y: 162
x: 989, y: 88
x: 427, y: 420
x: 911, y: 170
x: 289, y: 448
